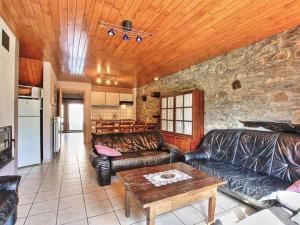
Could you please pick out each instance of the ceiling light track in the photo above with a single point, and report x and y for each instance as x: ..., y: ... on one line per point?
x: 125, y: 30
x: 107, y: 79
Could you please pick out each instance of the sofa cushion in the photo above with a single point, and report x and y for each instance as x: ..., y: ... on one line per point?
x: 223, y: 146
x: 244, y: 183
x: 8, y: 203
x: 130, y: 160
x: 102, y: 139
x: 286, y: 160
x: 122, y: 142
x: 255, y: 151
x: 143, y: 141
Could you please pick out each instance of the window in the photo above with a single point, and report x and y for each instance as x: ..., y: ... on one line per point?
x: 167, y: 122
x: 177, y: 114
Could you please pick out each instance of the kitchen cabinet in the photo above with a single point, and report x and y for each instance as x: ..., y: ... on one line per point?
x: 112, y: 99
x: 98, y: 98
x: 126, y: 97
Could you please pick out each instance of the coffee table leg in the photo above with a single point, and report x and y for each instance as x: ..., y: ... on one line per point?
x: 150, y: 216
x: 211, y: 209
x: 127, y: 203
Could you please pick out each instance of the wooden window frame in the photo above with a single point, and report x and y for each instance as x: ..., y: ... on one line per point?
x: 174, y: 114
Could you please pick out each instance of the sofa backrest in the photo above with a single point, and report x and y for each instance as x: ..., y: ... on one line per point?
x: 272, y: 153
x: 130, y: 142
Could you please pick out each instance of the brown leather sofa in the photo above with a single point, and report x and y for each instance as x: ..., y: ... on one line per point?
x: 139, y: 149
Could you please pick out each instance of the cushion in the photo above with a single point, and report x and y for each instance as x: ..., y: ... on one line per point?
x: 295, y: 187
x: 104, y: 150
x: 131, y: 160
x: 244, y: 183
x: 289, y: 199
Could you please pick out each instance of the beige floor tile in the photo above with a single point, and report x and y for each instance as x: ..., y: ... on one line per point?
x: 28, y: 189
x: 202, y: 206
x: 98, y: 208
x: 235, y: 214
x: 71, y: 214
x: 189, y: 215
x: 79, y: 222
x: 167, y: 218
x: 71, y: 201
x: 20, y: 221
x: 42, y: 219
x: 115, y: 192
x: 113, y: 185
x: 119, y: 203
x: 47, y: 195
x: 74, y: 182
x: 91, y: 187
x: 43, y: 207
x: 23, y: 210
x: 95, y: 196
x: 107, y: 219
x: 227, y: 202
x: 72, y: 190
x: 136, y: 215
x: 26, y: 199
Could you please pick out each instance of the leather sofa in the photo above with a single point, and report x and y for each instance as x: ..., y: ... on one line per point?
x: 253, y: 163
x: 9, y: 199
x: 139, y: 149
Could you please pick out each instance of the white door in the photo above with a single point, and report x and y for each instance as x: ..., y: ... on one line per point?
x: 29, y: 141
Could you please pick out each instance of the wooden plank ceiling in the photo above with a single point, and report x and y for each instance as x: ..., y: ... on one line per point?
x: 185, y: 33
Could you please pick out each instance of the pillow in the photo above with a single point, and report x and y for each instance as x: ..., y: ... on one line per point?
x: 295, y: 187
x: 289, y: 199
x: 104, y: 150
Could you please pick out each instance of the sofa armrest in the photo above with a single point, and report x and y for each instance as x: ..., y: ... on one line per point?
x: 9, y: 183
x: 196, y: 155
x: 172, y: 149
x: 101, y: 163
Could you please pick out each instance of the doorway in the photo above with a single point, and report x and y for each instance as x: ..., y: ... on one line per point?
x: 75, y: 117
x: 73, y: 112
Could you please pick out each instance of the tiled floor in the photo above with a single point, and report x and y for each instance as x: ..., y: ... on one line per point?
x: 65, y: 191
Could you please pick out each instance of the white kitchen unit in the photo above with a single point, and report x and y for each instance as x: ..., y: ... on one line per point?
x: 126, y: 97
x: 29, y: 132
x: 112, y: 99
x: 98, y: 98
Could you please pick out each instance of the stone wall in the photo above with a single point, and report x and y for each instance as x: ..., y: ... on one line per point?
x: 269, y: 72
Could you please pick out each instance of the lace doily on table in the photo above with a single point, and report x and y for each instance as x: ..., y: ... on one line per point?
x: 166, y: 177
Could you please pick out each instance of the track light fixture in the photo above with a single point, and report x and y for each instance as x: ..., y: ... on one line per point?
x: 125, y: 31
x: 107, y: 79
x: 111, y: 32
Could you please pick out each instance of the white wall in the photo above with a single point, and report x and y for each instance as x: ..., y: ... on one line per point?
x: 9, y: 63
x: 49, y: 77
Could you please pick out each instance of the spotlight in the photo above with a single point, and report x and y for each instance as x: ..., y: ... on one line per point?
x: 99, y: 80
x: 156, y: 78
x: 139, y: 39
x: 111, y: 32
x: 126, y: 37
x: 107, y: 82
x: 116, y: 82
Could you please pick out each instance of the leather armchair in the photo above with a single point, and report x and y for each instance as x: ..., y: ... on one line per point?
x: 139, y: 149
x: 9, y: 199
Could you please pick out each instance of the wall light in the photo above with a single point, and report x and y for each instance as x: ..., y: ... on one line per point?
x: 156, y: 78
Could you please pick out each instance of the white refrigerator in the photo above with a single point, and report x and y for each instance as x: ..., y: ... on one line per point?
x: 29, y: 132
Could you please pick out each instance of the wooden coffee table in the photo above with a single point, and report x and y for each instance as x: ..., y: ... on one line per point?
x: 158, y: 200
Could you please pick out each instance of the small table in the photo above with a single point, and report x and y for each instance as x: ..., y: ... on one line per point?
x: 158, y: 200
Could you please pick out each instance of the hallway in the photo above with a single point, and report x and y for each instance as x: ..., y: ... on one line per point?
x: 65, y: 191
